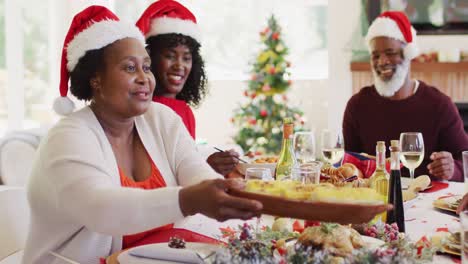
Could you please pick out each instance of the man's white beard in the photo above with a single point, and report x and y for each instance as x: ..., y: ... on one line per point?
x: 390, y: 87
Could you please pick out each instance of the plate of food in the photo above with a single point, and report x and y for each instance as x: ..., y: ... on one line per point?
x: 452, y: 244
x: 258, y: 162
x: 339, y: 240
x: 448, y: 203
x: 419, y: 184
x: 317, y: 202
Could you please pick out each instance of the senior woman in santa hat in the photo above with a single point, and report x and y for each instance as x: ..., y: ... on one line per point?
x: 397, y: 103
x: 121, y: 165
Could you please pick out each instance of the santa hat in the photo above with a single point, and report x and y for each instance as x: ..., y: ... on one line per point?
x: 168, y: 16
x: 395, y: 24
x: 91, y: 29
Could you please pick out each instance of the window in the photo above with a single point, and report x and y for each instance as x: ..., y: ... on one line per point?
x: 32, y: 33
x: 38, y: 93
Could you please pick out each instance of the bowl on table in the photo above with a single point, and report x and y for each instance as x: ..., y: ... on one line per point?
x: 260, y: 162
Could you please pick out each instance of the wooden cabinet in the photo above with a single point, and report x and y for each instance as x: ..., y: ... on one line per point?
x: 450, y: 78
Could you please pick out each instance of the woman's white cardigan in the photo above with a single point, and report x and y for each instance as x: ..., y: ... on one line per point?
x: 78, y: 208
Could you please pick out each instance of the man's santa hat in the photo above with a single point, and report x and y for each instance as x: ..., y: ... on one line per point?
x: 168, y: 16
x: 395, y: 24
x: 91, y: 29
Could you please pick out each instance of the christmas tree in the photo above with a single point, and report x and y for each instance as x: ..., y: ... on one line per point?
x: 259, y: 119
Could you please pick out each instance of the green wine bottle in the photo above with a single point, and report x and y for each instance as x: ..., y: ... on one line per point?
x: 286, y: 158
x: 380, y: 177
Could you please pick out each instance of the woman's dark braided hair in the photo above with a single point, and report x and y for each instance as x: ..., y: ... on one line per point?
x: 195, y: 88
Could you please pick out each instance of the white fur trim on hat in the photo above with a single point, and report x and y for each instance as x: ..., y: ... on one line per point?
x: 63, y: 106
x: 98, y: 35
x: 387, y: 27
x: 167, y: 25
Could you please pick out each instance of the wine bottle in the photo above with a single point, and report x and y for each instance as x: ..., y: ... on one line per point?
x: 395, y: 197
x: 286, y: 158
x: 379, y: 179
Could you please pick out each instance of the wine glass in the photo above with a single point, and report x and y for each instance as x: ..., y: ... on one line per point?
x: 412, y: 150
x: 304, y: 146
x: 263, y: 174
x: 332, y: 146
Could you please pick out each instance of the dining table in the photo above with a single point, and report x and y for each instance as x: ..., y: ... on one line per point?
x: 422, y: 220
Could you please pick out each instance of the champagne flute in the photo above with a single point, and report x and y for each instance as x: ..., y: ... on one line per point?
x: 412, y: 150
x: 304, y: 146
x: 332, y: 146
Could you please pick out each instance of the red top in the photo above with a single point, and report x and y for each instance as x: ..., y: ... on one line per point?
x: 153, y: 182
x: 182, y: 109
x: 370, y: 117
x: 160, y: 234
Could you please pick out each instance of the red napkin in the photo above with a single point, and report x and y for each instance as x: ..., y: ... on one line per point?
x: 437, y: 186
x: 364, y: 164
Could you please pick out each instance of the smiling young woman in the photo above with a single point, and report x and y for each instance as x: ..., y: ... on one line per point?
x: 173, y: 39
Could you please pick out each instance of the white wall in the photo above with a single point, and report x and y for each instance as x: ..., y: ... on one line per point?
x: 343, y: 17
x: 213, y: 116
x: 444, y: 43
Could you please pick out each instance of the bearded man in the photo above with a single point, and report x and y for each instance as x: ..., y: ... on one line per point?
x: 396, y: 103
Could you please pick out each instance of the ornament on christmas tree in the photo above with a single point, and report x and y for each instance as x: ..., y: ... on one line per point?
x: 259, y: 119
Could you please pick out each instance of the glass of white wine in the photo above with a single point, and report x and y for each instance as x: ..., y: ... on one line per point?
x: 412, y: 150
x: 332, y: 146
x: 304, y: 146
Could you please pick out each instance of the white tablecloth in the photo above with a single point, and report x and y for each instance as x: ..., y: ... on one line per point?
x: 421, y: 219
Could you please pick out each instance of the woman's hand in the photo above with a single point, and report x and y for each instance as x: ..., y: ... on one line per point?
x: 210, y: 198
x: 223, y: 162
